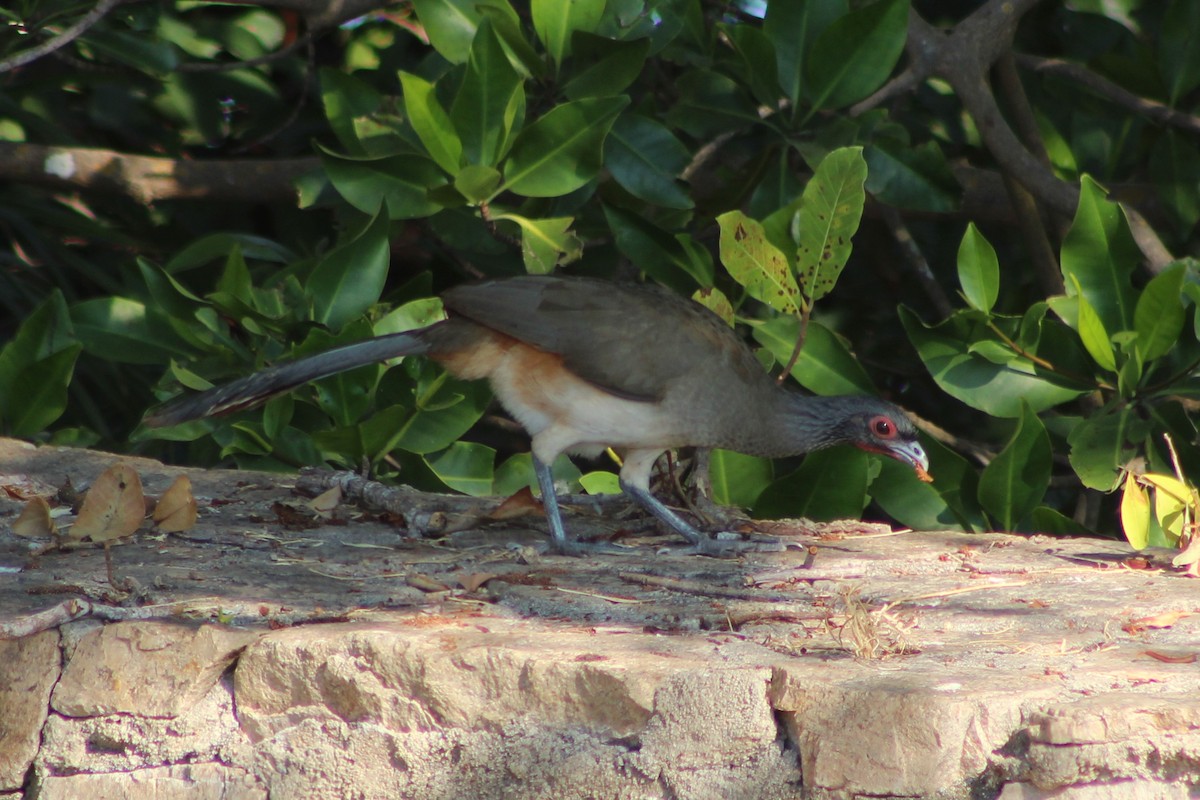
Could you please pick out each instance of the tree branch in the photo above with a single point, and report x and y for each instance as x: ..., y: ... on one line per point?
x: 1152, y: 109
x: 150, y: 179
x: 69, y: 35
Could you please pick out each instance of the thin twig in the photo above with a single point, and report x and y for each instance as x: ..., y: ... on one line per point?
x: 69, y: 35
x: 1151, y: 109
x: 916, y: 260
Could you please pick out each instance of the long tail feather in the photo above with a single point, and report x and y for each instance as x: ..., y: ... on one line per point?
x: 261, y: 386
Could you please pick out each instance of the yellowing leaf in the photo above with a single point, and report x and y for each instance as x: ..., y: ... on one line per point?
x: 1172, y: 498
x: 112, y: 508
x: 1135, y: 513
x: 176, y: 509
x: 35, y: 522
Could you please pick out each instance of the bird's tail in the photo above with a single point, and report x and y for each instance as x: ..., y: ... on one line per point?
x: 261, y: 386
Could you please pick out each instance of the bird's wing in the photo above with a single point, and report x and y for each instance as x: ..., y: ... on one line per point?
x: 632, y: 340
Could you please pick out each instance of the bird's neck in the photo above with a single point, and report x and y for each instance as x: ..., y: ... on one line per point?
x: 790, y: 423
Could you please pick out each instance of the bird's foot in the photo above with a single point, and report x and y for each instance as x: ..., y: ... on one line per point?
x: 727, y: 544
x: 577, y: 549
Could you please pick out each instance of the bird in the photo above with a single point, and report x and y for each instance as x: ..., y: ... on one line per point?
x: 585, y: 364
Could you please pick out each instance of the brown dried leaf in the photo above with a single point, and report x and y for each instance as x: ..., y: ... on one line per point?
x: 325, y: 503
x: 426, y: 584
x: 474, y: 580
x: 113, y: 507
x: 520, y: 504
x: 1163, y: 620
x: 35, y: 522
x: 176, y: 509
x: 1166, y: 658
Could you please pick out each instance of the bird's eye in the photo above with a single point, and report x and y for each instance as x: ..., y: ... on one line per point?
x: 883, y: 427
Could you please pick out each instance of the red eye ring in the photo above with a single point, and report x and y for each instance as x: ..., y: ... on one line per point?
x: 883, y: 427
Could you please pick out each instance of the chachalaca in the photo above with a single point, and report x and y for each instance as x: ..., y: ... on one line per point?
x: 585, y: 364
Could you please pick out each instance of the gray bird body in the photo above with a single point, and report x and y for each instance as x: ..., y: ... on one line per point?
x: 585, y: 364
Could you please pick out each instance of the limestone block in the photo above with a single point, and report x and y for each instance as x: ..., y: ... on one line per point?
x: 1115, y: 717
x: 28, y: 669
x: 206, y: 731
x: 152, y: 669
x: 1120, y: 790
x: 910, y: 735
x: 389, y: 710
x: 181, y: 782
x: 1115, y: 736
x: 413, y: 679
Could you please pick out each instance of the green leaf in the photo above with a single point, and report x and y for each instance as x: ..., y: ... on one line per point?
x: 546, y: 243
x: 466, y: 467
x: 42, y: 395
x: 674, y: 261
x: 830, y: 484
x: 346, y: 99
x: 755, y: 62
x: 477, y: 183
x: 1103, y: 445
x: 646, y: 158
x: 349, y: 279
x: 1093, y: 335
x: 978, y: 269
x: 489, y: 102
x: 825, y: 366
x: 856, y: 54
x: 235, y: 279
x: 997, y: 389
x: 830, y: 212
x: 710, y: 104
x: 1159, y: 315
x: 916, y: 178
x: 431, y: 122
x: 125, y: 330
x: 206, y: 249
x: 451, y: 24
x: 604, y: 67
x: 441, y: 409
x: 1100, y: 254
x: 793, y: 28
x: 1174, y: 163
x: 751, y: 260
x: 600, y: 482
x: 738, y: 479
x: 563, y: 150
x: 556, y: 20
x: 46, y: 331
x: 146, y: 53
x: 1178, y: 57
x: 1013, y: 484
x: 949, y: 502
x: 400, y: 184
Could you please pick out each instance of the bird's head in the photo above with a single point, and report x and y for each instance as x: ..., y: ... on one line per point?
x: 878, y: 426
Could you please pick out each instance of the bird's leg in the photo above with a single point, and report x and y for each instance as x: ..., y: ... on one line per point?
x: 559, y: 542
x: 635, y: 482
x: 550, y: 504
x: 660, y: 510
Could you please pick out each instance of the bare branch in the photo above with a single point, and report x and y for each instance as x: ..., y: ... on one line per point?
x: 150, y: 179
x: 1151, y: 109
x: 69, y: 35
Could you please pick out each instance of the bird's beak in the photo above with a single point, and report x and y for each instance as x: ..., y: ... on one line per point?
x: 910, y: 453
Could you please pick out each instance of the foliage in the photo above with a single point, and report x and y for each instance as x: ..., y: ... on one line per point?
x: 195, y: 190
